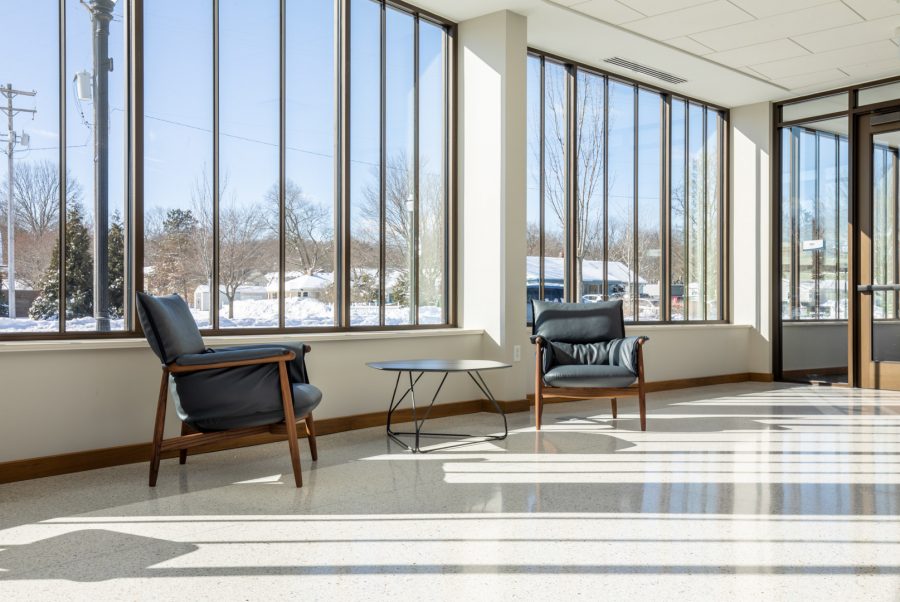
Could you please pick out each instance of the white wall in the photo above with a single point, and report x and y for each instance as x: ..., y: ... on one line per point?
x: 66, y: 400
x: 750, y: 223
x: 59, y: 398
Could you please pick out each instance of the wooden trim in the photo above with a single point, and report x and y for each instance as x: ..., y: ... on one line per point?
x: 47, y: 466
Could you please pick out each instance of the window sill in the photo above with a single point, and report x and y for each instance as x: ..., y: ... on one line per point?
x: 219, y: 341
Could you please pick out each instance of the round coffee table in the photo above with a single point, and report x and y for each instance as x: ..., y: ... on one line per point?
x: 471, y: 367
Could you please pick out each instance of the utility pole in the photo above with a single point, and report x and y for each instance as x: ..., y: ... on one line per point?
x: 11, y: 111
x: 101, y: 14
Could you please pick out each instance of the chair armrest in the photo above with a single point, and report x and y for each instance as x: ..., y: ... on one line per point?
x: 625, y: 352
x: 538, y: 340
x: 230, y: 358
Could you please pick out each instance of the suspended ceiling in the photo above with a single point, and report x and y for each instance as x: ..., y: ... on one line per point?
x: 731, y: 52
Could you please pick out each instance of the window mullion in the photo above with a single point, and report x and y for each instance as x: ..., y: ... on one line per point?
x: 214, y: 284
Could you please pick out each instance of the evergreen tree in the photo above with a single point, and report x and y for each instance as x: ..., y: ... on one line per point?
x: 116, y: 246
x: 176, y: 267
x: 79, y: 273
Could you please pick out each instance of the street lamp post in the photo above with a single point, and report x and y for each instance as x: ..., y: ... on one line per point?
x: 411, y: 281
x: 101, y: 15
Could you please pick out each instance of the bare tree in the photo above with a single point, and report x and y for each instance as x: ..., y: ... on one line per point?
x: 589, y: 161
x: 308, y: 229
x: 400, y: 229
x: 36, y: 201
x: 241, y: 248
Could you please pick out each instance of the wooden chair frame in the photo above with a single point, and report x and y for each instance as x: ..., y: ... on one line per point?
x: 540, y: 389
x: 190, y: 438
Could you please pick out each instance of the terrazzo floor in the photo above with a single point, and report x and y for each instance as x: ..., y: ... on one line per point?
x: 736, y: 492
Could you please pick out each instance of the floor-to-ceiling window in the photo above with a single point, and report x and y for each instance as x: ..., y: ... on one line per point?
x: 625, y: 197
x: 275, y: 166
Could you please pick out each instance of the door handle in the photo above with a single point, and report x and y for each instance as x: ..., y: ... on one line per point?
x: 873, y: 288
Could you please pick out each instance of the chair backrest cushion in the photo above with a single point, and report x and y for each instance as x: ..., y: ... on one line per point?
x: 169, y: 326
x: 578, y: 322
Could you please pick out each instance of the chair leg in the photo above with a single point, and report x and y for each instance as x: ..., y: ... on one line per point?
x: 158, y: 428
x: 643, y: 407
x: 311, y: 436
x: 615, y: 408
x: 538, y: 387
x: 182, y: 454
x: 290, y: 423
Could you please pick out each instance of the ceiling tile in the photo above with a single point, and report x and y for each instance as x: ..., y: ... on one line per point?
x: 811, y: 63
x: 875, y: 68
x: 822, y: 79
x: 849, y: 35
x: 566, y: 2
x: 766, y: 8
x: 607, y: 10
x: 689, y: 20
x: 656, y: 7
x: 875, y: 9
x: 758, y: 53
x: 753, y: 72
x: 795, y: 23
x: 690, y: 45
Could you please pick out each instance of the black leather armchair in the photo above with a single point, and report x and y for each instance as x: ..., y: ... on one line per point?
x: 222, y: 394
x: 582, y: 351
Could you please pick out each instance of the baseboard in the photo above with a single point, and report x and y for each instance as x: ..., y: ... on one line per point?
x: 48, y: 466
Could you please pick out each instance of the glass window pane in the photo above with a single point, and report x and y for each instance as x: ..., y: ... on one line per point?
x: 843, y: 225
x: 432, y: 165
x: 399, y: 202
x: 816, y: 106
x: 365, y: 159
x: 678, y: 227
x: 696, y: 233
x: 34, y: 181
x: 649, y: 237
x: 555, y: 186
x: 828, y: 260
x: 621, y: 258
x: 868, y: 96
x: 712, y: 215
x: 309, y: 282
x: 788, y: 200
x: 589, y: 164
x: 248, y: 162
x: 95, y: 126
x: 533, y: 189
x: 178, y: 146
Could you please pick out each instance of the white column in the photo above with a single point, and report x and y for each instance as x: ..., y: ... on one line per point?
x: 492, y: 173
x: 751, y: 184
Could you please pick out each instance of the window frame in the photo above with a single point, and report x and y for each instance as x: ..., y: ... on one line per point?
x: 853, y: 110
x: 133, y: 31
x: 723, y: 197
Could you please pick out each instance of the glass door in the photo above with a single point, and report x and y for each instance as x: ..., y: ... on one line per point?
x: 878, y: 292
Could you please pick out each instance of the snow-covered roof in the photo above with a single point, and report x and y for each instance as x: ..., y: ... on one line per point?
x: 302, y: 282
x: 244, y: 288
x: 591, y: 270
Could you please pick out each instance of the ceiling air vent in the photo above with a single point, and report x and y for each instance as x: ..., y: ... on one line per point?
x: 667, y: 77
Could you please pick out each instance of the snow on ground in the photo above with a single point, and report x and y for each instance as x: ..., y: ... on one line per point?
x: 263, y: 313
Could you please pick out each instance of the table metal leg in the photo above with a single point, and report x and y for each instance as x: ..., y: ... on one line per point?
x: 418, y: 433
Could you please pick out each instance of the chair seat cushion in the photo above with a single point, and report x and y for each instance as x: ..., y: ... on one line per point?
x: 306, y: 399
x: 591, y: 376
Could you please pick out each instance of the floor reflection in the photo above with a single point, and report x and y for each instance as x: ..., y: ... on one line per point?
x: 781, y: 486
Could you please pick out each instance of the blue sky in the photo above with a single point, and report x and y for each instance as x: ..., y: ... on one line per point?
x: 178, y: 94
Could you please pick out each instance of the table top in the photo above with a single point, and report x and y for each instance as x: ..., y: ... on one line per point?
x: 437, y: 365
